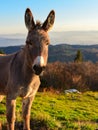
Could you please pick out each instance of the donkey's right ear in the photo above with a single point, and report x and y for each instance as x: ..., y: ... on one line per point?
x: 49, y: 21
x: 29, y: 20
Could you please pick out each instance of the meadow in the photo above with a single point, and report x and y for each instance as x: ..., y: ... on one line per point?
x: 58, y: 111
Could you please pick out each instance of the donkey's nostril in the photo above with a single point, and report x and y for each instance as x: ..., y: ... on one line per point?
x: 37, y: 69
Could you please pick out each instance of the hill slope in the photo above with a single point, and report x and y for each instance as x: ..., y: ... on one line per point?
x: 64, y: 52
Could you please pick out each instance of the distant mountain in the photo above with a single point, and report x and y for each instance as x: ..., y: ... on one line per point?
x: 69, y: 37
x: 64, y: 52
x: 10, y: 49
x: 11, y: 41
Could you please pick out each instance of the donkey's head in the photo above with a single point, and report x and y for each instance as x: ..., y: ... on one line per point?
x: 38, y: 40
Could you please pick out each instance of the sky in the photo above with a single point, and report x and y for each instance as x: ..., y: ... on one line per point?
x: 71, y: 15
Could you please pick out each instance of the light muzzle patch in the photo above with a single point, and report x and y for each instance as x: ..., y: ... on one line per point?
x: 39, y: 61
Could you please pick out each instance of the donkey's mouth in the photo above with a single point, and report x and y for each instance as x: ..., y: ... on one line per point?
x: 37, y: 69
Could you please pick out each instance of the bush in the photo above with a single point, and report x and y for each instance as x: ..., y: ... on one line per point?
x: 82, y: 76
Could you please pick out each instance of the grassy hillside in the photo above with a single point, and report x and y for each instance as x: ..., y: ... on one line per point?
x: 52, y: 111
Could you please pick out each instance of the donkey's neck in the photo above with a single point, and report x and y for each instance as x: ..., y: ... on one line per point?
x: 26, y: 67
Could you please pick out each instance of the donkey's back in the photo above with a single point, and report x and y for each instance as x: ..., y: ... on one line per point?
x: 5, y: 62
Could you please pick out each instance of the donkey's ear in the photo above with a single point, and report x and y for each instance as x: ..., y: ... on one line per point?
x: 49, y: 21
x: 29, y: 20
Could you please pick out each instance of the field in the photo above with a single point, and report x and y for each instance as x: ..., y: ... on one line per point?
x: 52, y: 111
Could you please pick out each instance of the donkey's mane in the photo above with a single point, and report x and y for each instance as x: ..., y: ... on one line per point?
x: 38, y: 24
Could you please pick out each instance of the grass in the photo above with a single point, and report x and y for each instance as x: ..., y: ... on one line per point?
x: 60, y: 111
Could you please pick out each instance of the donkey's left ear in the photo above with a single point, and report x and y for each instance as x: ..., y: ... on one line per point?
x: 29, y: 20
x: 49, y: 21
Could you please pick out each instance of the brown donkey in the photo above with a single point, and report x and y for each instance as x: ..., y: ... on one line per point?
x: 19, y: 72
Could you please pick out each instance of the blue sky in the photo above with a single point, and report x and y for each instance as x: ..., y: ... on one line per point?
x: 71, y: 15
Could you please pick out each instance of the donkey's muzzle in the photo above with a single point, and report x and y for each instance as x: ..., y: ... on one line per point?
x: 38, y: 69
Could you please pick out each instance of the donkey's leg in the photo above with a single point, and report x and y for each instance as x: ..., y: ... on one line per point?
x: 10, y: 104
x: 26, y: 108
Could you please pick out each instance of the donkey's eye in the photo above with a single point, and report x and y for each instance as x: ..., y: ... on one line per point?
x: 29, y: 42
x: 47, y: 43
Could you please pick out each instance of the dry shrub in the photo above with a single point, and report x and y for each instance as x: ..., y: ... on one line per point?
x: 61, y: 76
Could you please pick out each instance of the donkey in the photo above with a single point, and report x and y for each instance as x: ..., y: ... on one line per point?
x: 19, y: 72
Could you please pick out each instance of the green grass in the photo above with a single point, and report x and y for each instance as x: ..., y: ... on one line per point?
x: 60, y: 112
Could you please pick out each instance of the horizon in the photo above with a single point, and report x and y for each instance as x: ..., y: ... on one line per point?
x: 72, y: 17
x: 65, y: 37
